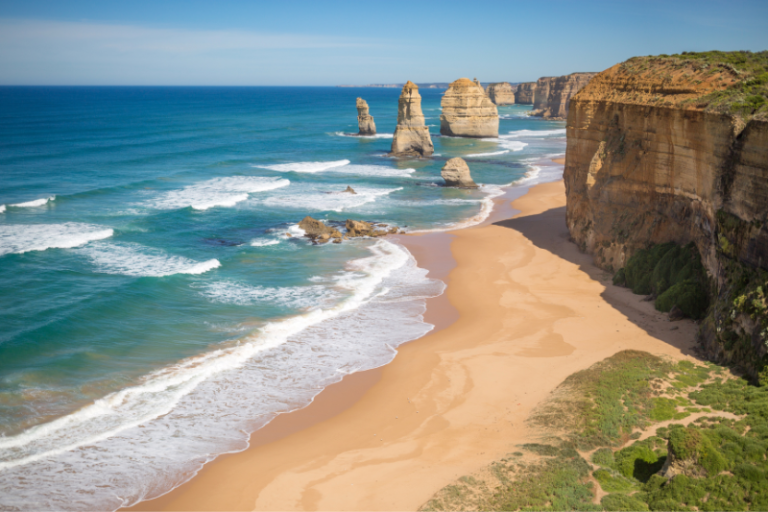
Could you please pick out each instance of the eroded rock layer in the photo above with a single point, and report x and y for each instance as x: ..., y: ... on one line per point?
x: 365, y: 122
x: 411, y: 135
x: 525, y: 92
x: 501, y: 93
x: 649, y: 162
x: 467, y: 111
x: 561, y: 90
x: 541, y: 94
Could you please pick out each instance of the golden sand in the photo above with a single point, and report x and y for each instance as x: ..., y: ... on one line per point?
x: 523, y: 310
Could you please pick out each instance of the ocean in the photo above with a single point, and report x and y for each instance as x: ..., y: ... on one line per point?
x: 157, y: 300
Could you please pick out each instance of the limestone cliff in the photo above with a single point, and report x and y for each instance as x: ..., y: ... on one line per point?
x: 411, y: 135
x: 561, y: 90
x: 365, y: 123
x: 501, y: 93
x: 467, y: 111
x: 663, y: 150
x: 525, y: 92
x: 541, y: 94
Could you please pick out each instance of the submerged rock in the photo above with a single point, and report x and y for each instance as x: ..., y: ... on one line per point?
x: 467, y: 111
x: 365, y: 123
x: 411, y: 135
x: 456, y: 174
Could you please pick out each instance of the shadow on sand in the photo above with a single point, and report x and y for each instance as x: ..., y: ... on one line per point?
x: 538, y: 229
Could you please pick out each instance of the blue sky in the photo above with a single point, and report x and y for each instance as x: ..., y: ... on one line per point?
x: 136, y: 42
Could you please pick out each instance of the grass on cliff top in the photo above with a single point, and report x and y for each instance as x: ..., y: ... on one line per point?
x: 747, y: 98
x: 720, y: 463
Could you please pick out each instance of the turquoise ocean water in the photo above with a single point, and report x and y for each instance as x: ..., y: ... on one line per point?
x: 153, y: 310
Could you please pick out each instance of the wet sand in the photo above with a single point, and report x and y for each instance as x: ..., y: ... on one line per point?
x: 523, y: 310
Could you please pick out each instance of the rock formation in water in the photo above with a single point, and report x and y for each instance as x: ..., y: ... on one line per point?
x: 411, y: 135
x: 359, y: 228
x: 455, y: 172
x: 365, y: 123
x: 561, y: 90
x: 525, y: 92
x: 541, y: 94
x: 349, y: 190
x: 501, y: 93
x: 317, y: 231
x: 668, y: 150
x: 467, y: 111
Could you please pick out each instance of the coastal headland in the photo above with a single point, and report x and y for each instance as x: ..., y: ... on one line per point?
x: 524, y: 309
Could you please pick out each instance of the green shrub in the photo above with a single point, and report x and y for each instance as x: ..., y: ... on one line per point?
x: 611, y: 481
x: 663, y: 409
x: 639, y: 461
x: 604, y: 457
x: 671, y: 272
x: 622, y: 502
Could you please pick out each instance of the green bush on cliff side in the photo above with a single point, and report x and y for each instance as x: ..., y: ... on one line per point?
x: 672, y: 273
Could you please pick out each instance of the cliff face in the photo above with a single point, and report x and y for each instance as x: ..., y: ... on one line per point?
x: 365, y: 123
x: 411, y: 134
x: 501, y: 93
x: 541, y: 94
x: 561, y: 90
x: 648, y: 162
x: 467, y: 111
x: 525, y: 92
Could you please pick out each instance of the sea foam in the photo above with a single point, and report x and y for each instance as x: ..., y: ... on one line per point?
x: 225, y: 192
x: 309, y: 167
x: 325, y: 201
x: 32, y: 204
x: 301, y: 297
x: 356, y: 136
x: 139, y: 261
x: 493, y: 153
x: 21, y: 238
x: 151, y: 436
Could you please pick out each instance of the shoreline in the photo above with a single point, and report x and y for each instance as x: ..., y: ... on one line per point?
x: 507, y: 331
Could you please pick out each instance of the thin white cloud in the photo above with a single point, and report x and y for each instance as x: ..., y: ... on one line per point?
x: 72, y: 53
x: 38, y: 33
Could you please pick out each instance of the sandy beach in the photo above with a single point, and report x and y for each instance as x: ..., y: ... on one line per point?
x: 523, y: 310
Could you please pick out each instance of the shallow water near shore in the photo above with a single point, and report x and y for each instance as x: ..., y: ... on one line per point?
x: 154, y: 311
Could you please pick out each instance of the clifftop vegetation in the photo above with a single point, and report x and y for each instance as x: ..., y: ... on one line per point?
x: 724, y: 82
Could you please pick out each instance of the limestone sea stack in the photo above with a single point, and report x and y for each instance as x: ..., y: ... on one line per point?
x: 456, y: 174
x: 467, y: 111
x: 541, y: 94
x: 501, y: 93
x: 525, y: 92
x: 365, y: 122
x: 561, y: 90
x: 411, y: 135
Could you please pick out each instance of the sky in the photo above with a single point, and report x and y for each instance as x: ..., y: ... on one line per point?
x: 296, y: 42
